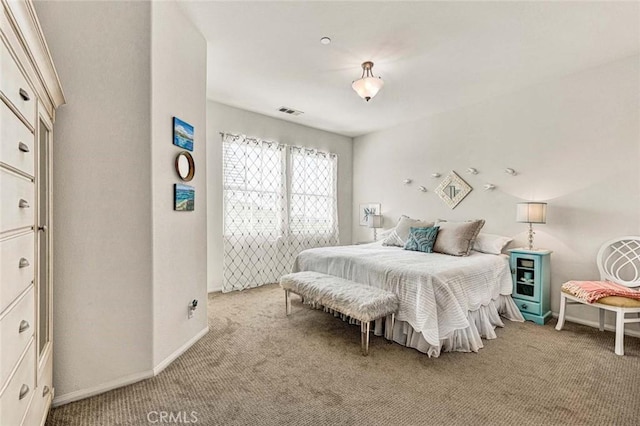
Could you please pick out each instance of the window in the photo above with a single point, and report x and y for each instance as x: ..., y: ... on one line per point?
x: 252, y: 176
x: 312, y: 208
x: 278, y: 201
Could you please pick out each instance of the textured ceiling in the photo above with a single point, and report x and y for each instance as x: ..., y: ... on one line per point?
x: 433, y: 56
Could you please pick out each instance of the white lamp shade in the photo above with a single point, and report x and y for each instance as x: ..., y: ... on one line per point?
x: 531, y: 212
x: 375, y: 221
x: 367, y: 87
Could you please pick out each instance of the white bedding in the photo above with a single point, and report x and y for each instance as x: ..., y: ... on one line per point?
x: 448, y: 301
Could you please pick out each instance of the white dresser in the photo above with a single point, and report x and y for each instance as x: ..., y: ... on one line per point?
x: 29, y: 94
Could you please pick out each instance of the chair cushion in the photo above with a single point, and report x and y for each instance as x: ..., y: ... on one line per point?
x: 595, y: 291
x: 617, y: 301
x: 620, y: 302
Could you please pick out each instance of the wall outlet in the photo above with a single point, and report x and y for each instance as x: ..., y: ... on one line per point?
x: 192, y: 307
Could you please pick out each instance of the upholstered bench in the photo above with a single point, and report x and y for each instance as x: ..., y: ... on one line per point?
x: 358, y: 301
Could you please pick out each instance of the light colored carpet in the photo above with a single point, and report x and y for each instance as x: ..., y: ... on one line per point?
x: 258, y: 367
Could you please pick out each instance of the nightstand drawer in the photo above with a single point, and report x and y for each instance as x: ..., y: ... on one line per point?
x: 529, y: 307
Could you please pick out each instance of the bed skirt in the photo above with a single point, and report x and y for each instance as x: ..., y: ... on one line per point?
x: 482, y: 324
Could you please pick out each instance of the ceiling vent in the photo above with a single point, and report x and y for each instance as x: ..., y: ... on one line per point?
x: 290, y: 111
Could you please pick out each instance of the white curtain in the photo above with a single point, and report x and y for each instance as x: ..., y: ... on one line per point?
x: 278, y: 201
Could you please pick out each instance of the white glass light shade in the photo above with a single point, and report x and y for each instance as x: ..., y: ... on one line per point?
x: 367, y: 87
x: 531, y: 212
x: 375, y: 221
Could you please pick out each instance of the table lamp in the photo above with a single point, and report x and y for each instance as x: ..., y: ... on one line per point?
x: 532, y: 212
x: 375, y: 222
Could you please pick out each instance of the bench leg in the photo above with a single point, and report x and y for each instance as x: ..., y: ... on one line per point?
x: 287, y: 302
x: 364, y: 337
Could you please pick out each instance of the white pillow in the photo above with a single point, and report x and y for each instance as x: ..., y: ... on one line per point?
x: 384, y: 234
x: 491, y: 243
x: 401, y: 232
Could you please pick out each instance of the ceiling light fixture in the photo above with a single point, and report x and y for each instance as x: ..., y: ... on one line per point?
x: 367, y: 86
x: 325, y: 40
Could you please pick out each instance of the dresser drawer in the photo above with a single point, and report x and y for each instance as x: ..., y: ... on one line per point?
x: 16, y: 142
x: 42, y: 397
x: 14, y: 85
x: 16, y: 396
x: 16, y: 209
x: 16, y: 330
x: 16, y: 267
x: 529, y: 307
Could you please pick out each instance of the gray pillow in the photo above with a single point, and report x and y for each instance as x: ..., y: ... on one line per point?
x: 400, y: 233
x: 457, y: 238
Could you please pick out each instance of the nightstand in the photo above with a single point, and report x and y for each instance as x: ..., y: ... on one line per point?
x: 531, y: 273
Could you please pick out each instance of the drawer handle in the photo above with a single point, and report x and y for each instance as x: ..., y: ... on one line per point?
x: 23, y: 204
x: 23, y: 263
x: 23, y: 147
x: 524, y: 306
x: 24, y: 390
x: 24, y: 95
x: 24, y: 326
x: 45, y: 391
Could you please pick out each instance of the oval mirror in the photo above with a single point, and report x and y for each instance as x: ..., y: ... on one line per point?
x: 185, y: 166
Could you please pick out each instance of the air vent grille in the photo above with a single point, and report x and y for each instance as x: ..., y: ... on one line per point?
x: 290, y: 111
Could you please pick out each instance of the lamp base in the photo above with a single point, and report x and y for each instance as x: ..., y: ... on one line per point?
x: 530, y: 236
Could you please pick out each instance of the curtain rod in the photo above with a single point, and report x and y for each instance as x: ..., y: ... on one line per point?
x: 316, y: 150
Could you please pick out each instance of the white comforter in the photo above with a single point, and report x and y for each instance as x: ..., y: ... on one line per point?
x: 437, y: 292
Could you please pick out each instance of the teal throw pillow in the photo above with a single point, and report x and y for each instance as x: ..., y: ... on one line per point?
x: 422, y: 239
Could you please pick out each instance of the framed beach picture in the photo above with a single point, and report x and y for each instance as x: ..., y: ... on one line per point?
x: 182, y: 134
x: 183, y: 197
x: 367, y: 210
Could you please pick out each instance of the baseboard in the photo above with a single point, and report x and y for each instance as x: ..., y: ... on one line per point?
x: 596, y: 324
x: 104, y: 387
x: 127, y: 380
x: 182, y: 349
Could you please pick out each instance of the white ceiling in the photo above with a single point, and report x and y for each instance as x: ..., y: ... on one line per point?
x: 433, y: 56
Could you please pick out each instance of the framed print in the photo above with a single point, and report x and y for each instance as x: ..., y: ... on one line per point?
x: 182, y: 134
x: 366, y: 210
x: 183, y: 197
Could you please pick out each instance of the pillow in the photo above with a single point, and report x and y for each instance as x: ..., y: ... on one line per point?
x: 457, y: 238
x: 400, y: 233
x: 421, y: 239
x: 384, y: 234
x: 491, y: 243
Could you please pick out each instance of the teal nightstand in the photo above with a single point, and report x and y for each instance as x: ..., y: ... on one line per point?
x: 531, y: 272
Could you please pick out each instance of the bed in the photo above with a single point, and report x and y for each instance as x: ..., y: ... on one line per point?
x: 447, y: 303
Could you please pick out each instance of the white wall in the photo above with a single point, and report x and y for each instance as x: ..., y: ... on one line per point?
x: 125, y: 264
x: 574, y: 142
x: 179, y: 64
x: 223, y: 118
x: 102, y: 198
